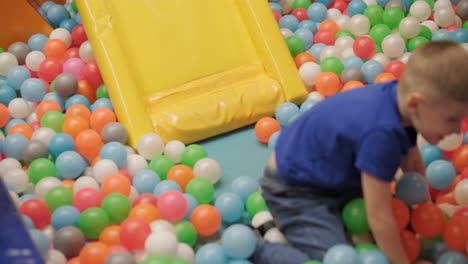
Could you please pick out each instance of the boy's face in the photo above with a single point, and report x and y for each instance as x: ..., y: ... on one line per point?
x: 436, y: 119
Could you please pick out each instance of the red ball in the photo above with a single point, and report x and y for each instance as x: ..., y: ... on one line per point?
x: 86, y: 198
x: 277, y: 16
x: 133, y: 233
x: 410, y: 244
x: 145, y: 198
x: 364, y: 47
x: 324, y: 36
x: 92, y: 74
x: 78, y: 35
x: 340, y: 5
x: 395, y: 67
x: 73, y: 52
x: 428, y: 220
x: 37, y: 211
x: 300, y: 14
x: 452, y: 28
x: 49, y: 69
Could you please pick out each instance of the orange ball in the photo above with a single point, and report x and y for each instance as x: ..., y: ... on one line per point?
x: 88, y: 144
x: 4, y: 115
x: 265, y: 127
x: 460, y: 158
x: 78, y: 110
x: 74, y: 125
x: 22, y: 129
x: 94, y: 253
x: 146, y: 212
x: 85, y: 89
x: 55, y: 48
x: 181, y: 174
x: 101, y: 117
x: 110, y: 235
x: 116, y: 183
x: 75, y: 260
x: 68, y: 183
x: 329, y: 25
x: 352, y: 85
x: 327, y: 83
x: 46, y: 106
x: 302, y: 58
x: 205, y: 219
x: 384, y: 77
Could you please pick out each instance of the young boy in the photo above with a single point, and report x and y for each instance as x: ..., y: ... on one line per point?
x: 351, y: 145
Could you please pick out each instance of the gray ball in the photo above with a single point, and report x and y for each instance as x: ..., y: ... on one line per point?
x: 69, y: 240
x: 34, y: 149
x: 436, y: 250
x: 120, y: 258
x: 462, y: 9
x: 351, y: 74
x: 65, y: 84
x: 396, y: 3
x: 114, y: 132
x: 20, y: 50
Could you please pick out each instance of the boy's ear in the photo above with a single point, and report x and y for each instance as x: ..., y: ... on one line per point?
x: 414, y: 102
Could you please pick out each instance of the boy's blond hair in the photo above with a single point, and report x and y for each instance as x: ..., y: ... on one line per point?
x: 438, y: 69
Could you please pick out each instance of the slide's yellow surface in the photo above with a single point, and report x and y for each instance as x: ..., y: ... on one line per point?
x: 189, y: 70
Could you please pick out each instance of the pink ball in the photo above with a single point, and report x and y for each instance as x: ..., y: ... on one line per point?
x: 118, y: 248
x: 172, y: 205
x: 364, y: 47
x: 74, y: 66
x: 86, y: 198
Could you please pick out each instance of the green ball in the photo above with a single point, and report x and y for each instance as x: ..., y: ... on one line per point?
x: 193, y: 153
x: 313, y: 262
x: 161, y: 165
x: 392, y: 16
x: 41, y: 168
x: 465, y: 25
x: 431, y: 3
x: 101, y: 92
x: 425, y: 32
x: 52, y: 87
x: 73, y: 6
x: 255, y: 203
x: 416, y: 42
x: 354, y: 216
x: 1, y: 50
x: 58, y: 196
x: 374, y: 13
x: 202, y: 189
x: 92, y: 221
x: 156, y: 260
x: 301, y: 4
x: 332, y: 64
x: 379, y: 32
x: 186, y: 233
x: 117, y: 206
x: 344, y: 32
x: 53, y: 120
x: 295, y: 45
x: 179, y: 261
x: 365, y: 246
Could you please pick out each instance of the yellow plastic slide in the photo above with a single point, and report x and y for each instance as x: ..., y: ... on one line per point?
x: 190, y: 70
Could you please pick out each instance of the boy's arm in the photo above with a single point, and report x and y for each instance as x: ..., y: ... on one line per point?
x: 413, y: 161
x: 377, y: 198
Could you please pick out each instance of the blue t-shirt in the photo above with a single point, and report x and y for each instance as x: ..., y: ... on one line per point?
x: 330, y: 144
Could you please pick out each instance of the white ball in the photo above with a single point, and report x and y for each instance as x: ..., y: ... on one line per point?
x: 19, y: 108
x: 451, y: 142
x: 62, y: 34
x: 461, y: 192
x: 286, y: 32
x: 208, y: 168
x: 405, y: 57
x: 420, y: 140
x: 465, y: 46
x: 393, y: 46
x: 409, y: 27
x: 49, y: 232
x: 104, y: 168
x: 274, y: 235
x: 330, y: 51
x: 185, y: 252
x: 261, y: 218
x: 344, y: 42
x: 309, y: 72
x: 342, y: 21
x: 174, y: 149
x: 88, y: 171
x: 133, y: 193
x: 129, y: 150
x: 45, y: 184
x: 85, y: 182
x: 31, y: 118
x: 86, y: 52
x: 370, y: 2
x: 15, y: 198
x: 315, y: 96
x: 444, y: 16
x: 420, y: 10
x: 34, y: 60
x: 359, y: 25
x: 7, y: 61
x: 43, y: 134
x: 8, y: 164
x: 381, y: 58
x: 333, y: 13
x: 135, y: 163
x: 162, y: 226
x: 457, y: 21
x: 442, y: 4
x: 17, y: 178
x: 55, y: 257
x: 150, y: 145
x: 162, y: 243
x: 347, y: 52
x: 432, y: 25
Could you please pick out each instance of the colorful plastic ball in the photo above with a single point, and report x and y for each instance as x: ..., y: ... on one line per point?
x: 145, y: 198
x: 230, y: 206
x: 88, y: 144
x: 37, y: 42
x: 288, y: 21
x: 238, y: 241
x: 120, y: 258
x: 17, y: 179
x: 94, y: 253
x: 145, y: 181
x: 356, y: 7
x: 19, y: 50
x: 34, y: 149
x: 325, y: 37
x: 210, y: 253
x: 161, y: 165
x: 255, y: 203
x: 206, y: 219
x: 440, y: 174
x: 114, y: 151
x: 116, y: 183
x: 244, y: 186
x: 37, y: 211
x: 63, y: 216
x: 364, y: 47
x: 13, y: 145
x: 460, y: 192
x: 7, y: 61
x: 202, y: 189
x: 193, y: 153
x: 374, y: 14
x: 56, y: 13
x: 340, y: 254
x: 7, y: 94
x: 164, y: 186
x: 87, y: 198
x: 40, y: 241
x: 150, y: 145
x: 192, y: 203
x: 328, y: 84
x: 133, y: 233
x: 393, y: 46
x: 401, y: 213
x: 101, y: 117
x: 17, y: 75
x: 69, y: 240
x: 58, y: 196
x: 317, y: 12
x: 411, y: 188
x: 79, y: 35
x: 452, y: 257
x: 411, y: 244
x: 430, y: 153
x: 428, y: 220
x: 265, y: 127
x: 371, y: 69
x: 114, y: 132
x: 92, y: 221
x: 373, y: 257
x: 354, y: 216
x: 70, y: 165
x: 91, y: 72
x: 68, y: 24
x: 352, y: 74
x: 117, y: 207
x: 146, y: 212
x: 285, y: 111
x: 172, y: 205
x: 186, y: 233
x: 162, y: 243
x: 306, y: 37
x: 352, y: 61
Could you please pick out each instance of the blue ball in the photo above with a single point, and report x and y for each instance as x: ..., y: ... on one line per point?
x: 47, y: 4
x: 40, y: 241
x: 2, y: 142
x: 102, y: 103
x: 238, y: 241
x: 68, y: 24
x: 440, y: 174
x: 166, y: 185
x: 13, y: 122
x: 459, y: 35
x: 57, y: 13
x: 192, y: 203
x: 317, y: 12
x: 308, y: 24
x: 370, y: 69
x: 307, y: 104
x: 77, y: 18
x: 116, y: 152
x: 230, y: 206
x: 60, y: 143
x: 37, y: 42
x: 239, y: 261
x: 435, y: 250
x: 465, y: 139
x: 70, y: 165
x: 455, y: 2
x: 356, y: 7
x: 272, y: 140
x: 293, y: 118
x: 55, y: 97
x: 77, y: 99
x: 341, y: 254
x: 411, y: 188
x: 324, y: 2
x: 33, y: 90
x: 7, y: 93
x: 372, y: 257
x: 210, y: 253
x: 145, y: 181
x: 65, y: 215
x: 382, y: 3
x: 13, y: 146
x: 284, y: 112
x: 16, y: 76
x: 452, y: 257
x: 276, y: 7
x: 315, y: 50
x: 441, y: 34
x: 244, y: 186
x: 288, y: 21
x: 23, y: 198
x: 306, y: 36
x: 430, y: 153
x: 353, y: 61
x: 27, y: 222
